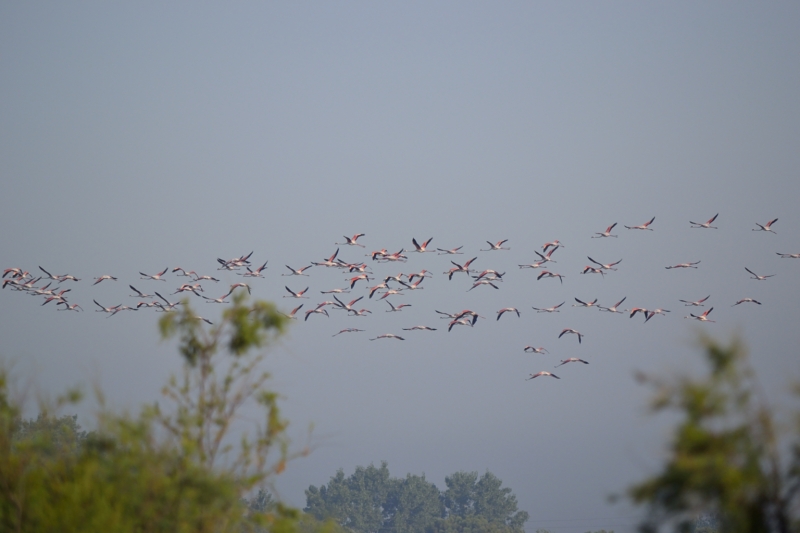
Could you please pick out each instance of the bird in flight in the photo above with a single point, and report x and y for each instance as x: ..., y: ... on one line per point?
x: 683, y: 265
x: 746, y: 300
x: 573, y: 332
x: 496, y: 246
x: 767, y: 226
x: 701, y: 318
x: 788, y: 256
x: 613, y: 308
x: 697, y: 303
x: 507, y: 310
x: 422, y: 248
x: 609, y: 266
x: 581, y: 303
x: 351, y: 241
x: 451, y: 251
x: 705, y: 224
x: 553, y: 309
x: 606, y: 233
x: 572, y: 360
x: 532, y: 349
x: 347, y: 330
x: 548, y: 274
x: 643, y: 226
x: 542, y: 373
x: 388, y: 336
x: 756, y: 276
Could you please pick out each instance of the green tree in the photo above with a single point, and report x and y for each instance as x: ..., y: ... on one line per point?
x: 469, y: 496
x: 726, y: 457
x: 355, y: 502
x: 371, y: 500
x: 163, y: 470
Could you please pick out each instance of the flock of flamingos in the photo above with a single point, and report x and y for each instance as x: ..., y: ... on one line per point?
x: 53, y: 288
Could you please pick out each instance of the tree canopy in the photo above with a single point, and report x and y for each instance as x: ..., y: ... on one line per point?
x: 168, y: 469
x: 727, y: 458
x: 370, y: 500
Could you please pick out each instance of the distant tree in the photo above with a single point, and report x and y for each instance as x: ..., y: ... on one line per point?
x: 726, y: 458
x: 53, y: 434
x: 469, y: 496
x: 372, y: 501
x: 413, y: 504
x: 163, y: 470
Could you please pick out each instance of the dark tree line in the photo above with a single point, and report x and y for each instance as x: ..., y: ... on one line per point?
x: 371, y: 501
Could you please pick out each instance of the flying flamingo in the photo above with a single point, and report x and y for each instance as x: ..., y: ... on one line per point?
x: 297, y: 271
x: 496, y: 246
x: 351, y: 241
x: 255, y: 273
x: 104, y: 309
x: 388, y: 336
x: 334, y: 291
x: 684, y: 265
x: 318, y: 310
x: 547, y: 273
x: 422, y: 274
x: 241, y: 284
x: 613, y: 308
x: 452, y: 251
x: 139, y: 294
x: 581, y: 303
x: 198, y: 277
x: 788, y: 256
x: 328, y: 262
x: 606, y: 233
x: 705, y: 224
x: 220, y: 300
x: 419, y: 328
x: 756, y: 276
x: 555, y: 244
x: 746, y: 300
x: 547, y: 257
x: 589, y: 269
x: 459, y: 322
x: 293, y: 312
x: 643, y: 226
x: 353, y: 280
x: 767, y: 226
x: 698, y: 303
x: 542, y: 373
x: 572, y: 331
x: 483, y: 282
x: 553, y: 309
x: 298, y: 294
x: 533, y: 265
x: 347, y: 330
x: 156, y: 277
x: 103, y: 277
x: 701, y: 318
x: 422, y: 248
x: 609, y: 266
x: 67, y: 307
x: 507, y: 309
x: 347, y: 307
x: 572, y: 360
x: 531, y: 349
x: 650, y: 314
x: 399, y: 307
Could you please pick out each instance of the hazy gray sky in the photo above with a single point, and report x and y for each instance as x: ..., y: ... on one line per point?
x: 133, y: 138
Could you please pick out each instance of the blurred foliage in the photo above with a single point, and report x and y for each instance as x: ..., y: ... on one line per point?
x: 370, y: 500
x: 727, y: 458
x: 170, y: 471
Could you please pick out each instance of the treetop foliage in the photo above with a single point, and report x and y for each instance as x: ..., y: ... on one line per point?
x: 370, y: 500
x: 727, y: 458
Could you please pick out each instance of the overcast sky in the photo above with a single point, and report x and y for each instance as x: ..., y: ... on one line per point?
x: 139, y: 137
